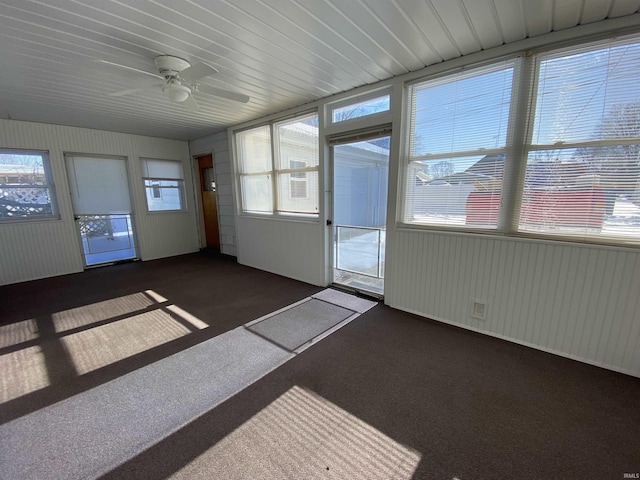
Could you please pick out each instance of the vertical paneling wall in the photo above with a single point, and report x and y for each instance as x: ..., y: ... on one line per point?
x: 218, y: 145
x: 579, y: 301
x: 290, y: 248
x: 37, y: 249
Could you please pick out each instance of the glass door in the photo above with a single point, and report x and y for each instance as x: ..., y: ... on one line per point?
x: 102, y: 207
x: 360, y: 170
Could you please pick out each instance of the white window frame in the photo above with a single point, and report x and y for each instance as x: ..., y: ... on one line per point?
x: 48, y: 185
x: 276, y: 171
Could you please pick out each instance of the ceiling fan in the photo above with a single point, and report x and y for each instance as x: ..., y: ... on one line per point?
x: 180, y: 81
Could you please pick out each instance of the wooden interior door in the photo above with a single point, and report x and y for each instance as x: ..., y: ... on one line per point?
x: 209, y: 203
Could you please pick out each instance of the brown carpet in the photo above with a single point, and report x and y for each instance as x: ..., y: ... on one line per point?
x: 421, y: 399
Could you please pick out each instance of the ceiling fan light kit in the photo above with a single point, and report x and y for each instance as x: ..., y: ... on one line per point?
x: 176, y: 92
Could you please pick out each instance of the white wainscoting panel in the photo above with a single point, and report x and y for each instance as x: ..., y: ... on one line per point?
x: 579, y: 301
x: 37, y: 249
x: 290, y: 248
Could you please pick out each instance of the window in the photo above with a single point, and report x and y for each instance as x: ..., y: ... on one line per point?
x: 256, y: 169
x: 281, y: 157
x: 583, y: 163
x: 26, y: 188
x: 164, y: 185
x: 568, y: 169
x: 457, y: 140
x: 363, y: 108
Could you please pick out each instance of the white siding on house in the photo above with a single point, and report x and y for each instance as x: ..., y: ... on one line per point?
x: 578, y: 301
x: 218, y: 144
x: 37, y: 249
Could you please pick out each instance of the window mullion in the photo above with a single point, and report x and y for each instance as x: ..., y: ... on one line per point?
x: 274, y: 170
x: 518, y: 137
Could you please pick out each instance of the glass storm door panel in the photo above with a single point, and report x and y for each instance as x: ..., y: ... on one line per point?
x: 360, y: 180
x: 102, y: 208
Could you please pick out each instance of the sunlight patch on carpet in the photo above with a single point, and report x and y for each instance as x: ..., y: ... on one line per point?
x: 303, y: 435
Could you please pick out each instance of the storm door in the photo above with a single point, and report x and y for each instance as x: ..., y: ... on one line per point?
x: 102, y: 207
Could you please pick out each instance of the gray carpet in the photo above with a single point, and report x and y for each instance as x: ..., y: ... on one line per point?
x: 300, y: 324
x: 89, y: 434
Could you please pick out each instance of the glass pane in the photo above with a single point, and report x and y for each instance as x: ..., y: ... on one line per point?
x: 25, y: 201
x: 163, y: 195
x: 298, y: 192
x: 256, y: 193
x: 208, y: 180
x: 460, y: 191
x: 106, y: 238
x: 360, y: 179
x: 297, y: 143
x: 462, y: 114
x: 361, y: 109
x: 254, y: 150
x: 587, y: 192
x: 23, y: 186
x: 589, y: 95
x: 359, y: 250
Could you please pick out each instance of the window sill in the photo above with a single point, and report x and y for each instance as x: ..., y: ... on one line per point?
x: 604, y: 243
x: 281, y: 217
x: 34, y: 219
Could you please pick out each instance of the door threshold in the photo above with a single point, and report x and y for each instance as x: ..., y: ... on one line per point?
x: 378, y: 297
x: 115, y: 262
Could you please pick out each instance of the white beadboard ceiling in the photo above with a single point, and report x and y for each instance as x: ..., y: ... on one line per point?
x: 282, y: 53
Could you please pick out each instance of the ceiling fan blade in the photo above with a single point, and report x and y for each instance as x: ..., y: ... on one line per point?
x: 133, y: 90
x: 130, y: 69
x: 197, y: 71
x: 191, y: 104
x: 218, y: 92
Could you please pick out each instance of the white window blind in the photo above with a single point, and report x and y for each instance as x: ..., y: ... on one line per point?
x: 583, y: 165
x: 164, y: 184
x: 457, y: 137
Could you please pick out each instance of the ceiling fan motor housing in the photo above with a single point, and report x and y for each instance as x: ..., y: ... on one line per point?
x: 170, y: 66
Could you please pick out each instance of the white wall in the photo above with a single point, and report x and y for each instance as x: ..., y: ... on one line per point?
x: 219, y: 146
x: 578, y: 301
x: 37, y: 249
x: 290, y: 248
